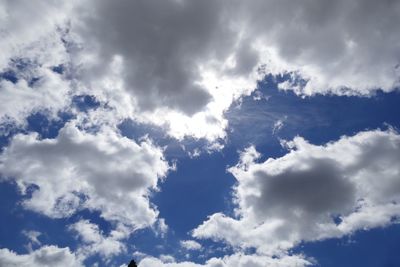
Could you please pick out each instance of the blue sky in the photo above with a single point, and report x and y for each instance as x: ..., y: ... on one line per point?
x: 187, y: 134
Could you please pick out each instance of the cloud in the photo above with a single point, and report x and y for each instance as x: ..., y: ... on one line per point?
x: 162, y: 46
x: 41, y: 40
x: 95, y: 242
x: 33, y: 237
x: 238, y: 259
x: 100, y: 171
x: 182, y: 71
x: 181, y: 64
x: 46, y: 256
x: 311, y: 193
x: 278, y: 125
x: 165, y: 63
x: 167, y: 258
x: 242, y: 260
x: 191, y: 245
x: 161, y: 228
x: 49, y: 94
x: 28, y: 56
x: 336, y: 46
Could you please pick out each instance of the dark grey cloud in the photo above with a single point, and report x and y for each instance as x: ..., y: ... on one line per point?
x: 318, y: 189
x: 163, y: 44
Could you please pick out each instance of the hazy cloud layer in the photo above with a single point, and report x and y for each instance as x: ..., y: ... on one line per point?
x: 312, y: 193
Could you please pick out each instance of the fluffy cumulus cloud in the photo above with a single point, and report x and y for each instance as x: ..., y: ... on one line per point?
x: 100, y: 171
x: 46, y: 256
x: 312, y: 193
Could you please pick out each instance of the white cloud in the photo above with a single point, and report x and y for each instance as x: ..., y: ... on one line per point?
x: 242, y: 260
x: 100, y: 171
x: 40, y: 41
x: 337, y: 46
x: 311, y: 193
x: 237, y: 260
x: 30, y: 53
x: 165, y: 64
x: 33, y: 236
x: 46, y: 256
x: 154, y: 262
x: 218, y: 59
x: 167, y: 258
x: 278, y: 125
x: 170, y: 66
x: 161, y: 228
x: 191, y: 245
x: 163, y: 47
x: 49, y: 94
x: 180, y: 65
x: 94, y: 241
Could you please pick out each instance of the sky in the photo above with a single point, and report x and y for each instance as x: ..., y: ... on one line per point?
x: 214, y: 133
